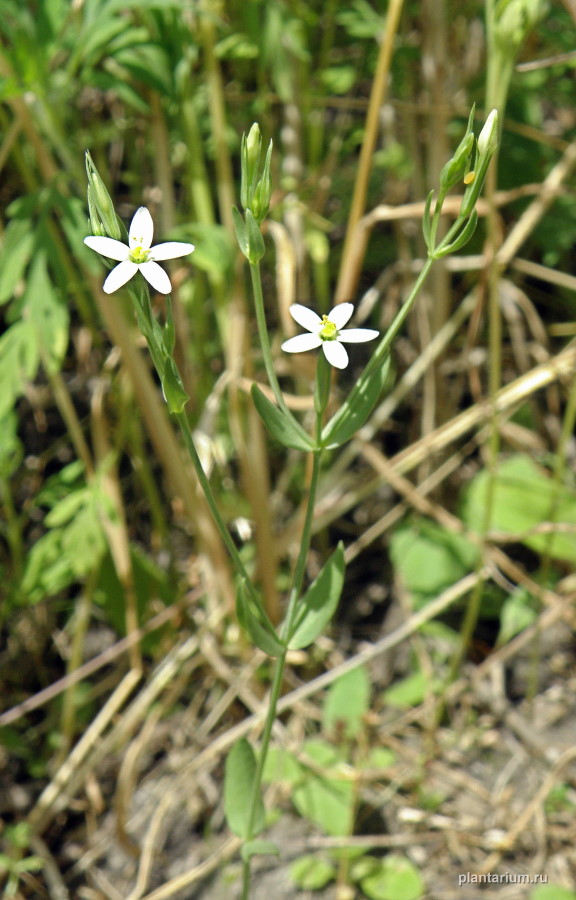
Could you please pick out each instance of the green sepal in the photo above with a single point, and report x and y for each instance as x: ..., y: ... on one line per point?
x: 169, y: 334
x: 256, y: 623
x: 176, y: 396
x: 282, y: 426
x: 239, y: 777
x: 319, y: 602
x: 357, y: 407
x: 241, y: 231
x: 259, y: 848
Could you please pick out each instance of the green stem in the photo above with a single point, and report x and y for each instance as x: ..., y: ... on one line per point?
x: 263, y: 335
x: 295, y: 592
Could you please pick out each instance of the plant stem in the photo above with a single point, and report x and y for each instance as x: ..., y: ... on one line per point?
x: 295, y: 593
x: 263, y: 335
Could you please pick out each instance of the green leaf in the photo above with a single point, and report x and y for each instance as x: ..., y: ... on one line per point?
x: 259, y: 848
x: 18, y: 362
x: 395, y: 879
x: 347, y: 702
x: 516, y: 615
x: 281, y: 765
x: 169, y: 333
x: 17, y: 245
x: 310, y: 873
x: 256, y: 623
x: 409, y: 691
x: 176, y: 396
x: 282, y: 426
x: 328, y: 800
x: 429, y: 558
x: 319, y: 603
x: 524, y: 497
x: 49, y: 316
x: 239, y: 778
x: 357, y: 407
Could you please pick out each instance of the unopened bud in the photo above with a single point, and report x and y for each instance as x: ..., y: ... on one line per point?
x: 100, y: 203
x: 488, y: 137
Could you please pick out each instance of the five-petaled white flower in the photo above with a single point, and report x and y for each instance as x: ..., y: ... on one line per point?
x: 326, y: 332
x: 138, y: 255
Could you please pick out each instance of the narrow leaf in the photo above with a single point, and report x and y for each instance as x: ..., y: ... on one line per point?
x: 176, y: 396
x: 319, y: 603
x: 356, y: 408
x: 255, y: 622
x: 282, y: 426
x: 238, y: 789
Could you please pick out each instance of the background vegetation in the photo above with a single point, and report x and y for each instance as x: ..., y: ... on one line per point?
x: 125, y: 676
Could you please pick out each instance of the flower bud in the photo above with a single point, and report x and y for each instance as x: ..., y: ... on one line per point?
x: 100, y: 204
x: 250, y: 159
x: 488, y: 137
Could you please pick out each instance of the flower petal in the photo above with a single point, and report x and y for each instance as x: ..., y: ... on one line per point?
x: 170, y: 250
x: 335, y: 353
x: 340, y: 314
x: 119, y: 275
x: 357, y: 335
x: 107, y: 246
x: 301, y: 343
x: 305, y: 317
x: 141, y: 229
x: 156, y: 276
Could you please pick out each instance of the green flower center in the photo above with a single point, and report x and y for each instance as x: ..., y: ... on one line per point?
x: 328, y: 332
x: 138, y: 255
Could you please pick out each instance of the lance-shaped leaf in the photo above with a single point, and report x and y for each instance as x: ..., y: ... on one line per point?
x: 281, y: 425
x: 357, y: 407
x: 176, y: 396
x: 319, y: 602
x: 256, y: 623
x: 239, y: 778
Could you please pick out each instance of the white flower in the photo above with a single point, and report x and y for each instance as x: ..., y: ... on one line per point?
x: 326, y: 332
x: 138, y: 255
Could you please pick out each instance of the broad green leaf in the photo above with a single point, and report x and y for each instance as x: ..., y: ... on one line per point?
x: 11, y: 449
x: 429, y: 558
x: 256, y: 623
x: 328, y: 800
x: 48, y: 315
x: 282, y: 426
x: 319, y: 602
x: 356, y: 408
x: 516, y: 615
x: 524, y: 497
x: 17, y: 244
x: 281, y: 765
x: 18, y: 362
x: 409, y: 691
x: 395, y: 879
x: 259, y: 848
x: 310, y: 873
x: 347, y: 702
x: 239, y: 778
